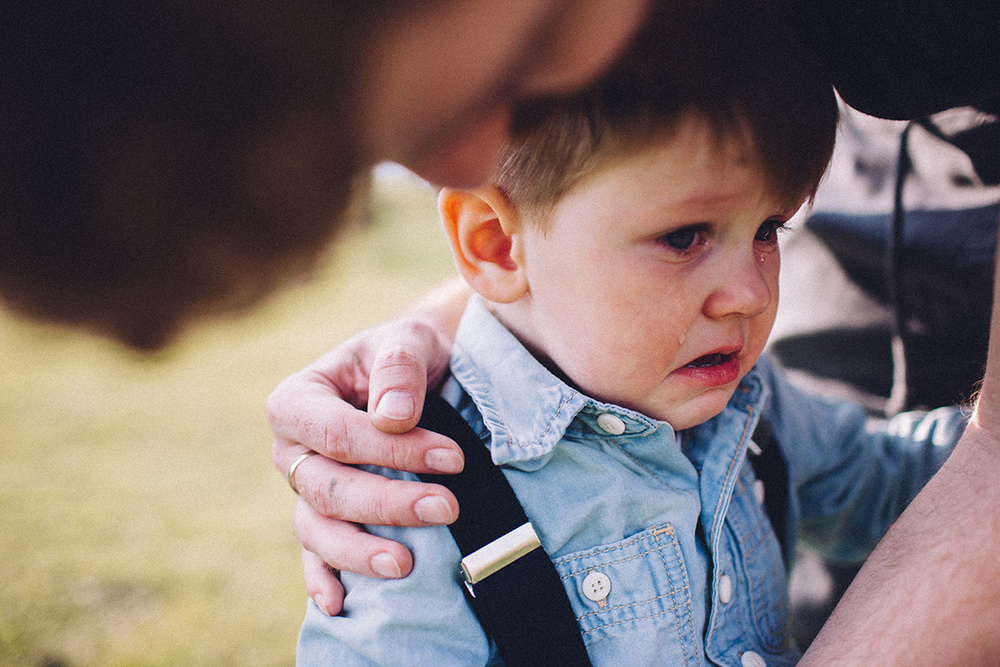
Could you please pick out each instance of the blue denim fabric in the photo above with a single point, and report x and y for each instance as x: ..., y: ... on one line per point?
x: 671, y: 519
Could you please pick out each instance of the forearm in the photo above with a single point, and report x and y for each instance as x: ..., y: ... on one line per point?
x: 442, y: 307
x: 930, y: 593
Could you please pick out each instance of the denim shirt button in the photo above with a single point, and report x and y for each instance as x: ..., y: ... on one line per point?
x: 596, y: 586
x: 758, y: 491
x: 725, y: 589
x: 612, y: 424
x: 751, y: 659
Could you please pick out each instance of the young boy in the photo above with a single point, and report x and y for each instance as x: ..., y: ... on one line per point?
x: 626, y: 262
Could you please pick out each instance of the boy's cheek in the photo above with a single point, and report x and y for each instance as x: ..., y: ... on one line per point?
x: 759, y: 334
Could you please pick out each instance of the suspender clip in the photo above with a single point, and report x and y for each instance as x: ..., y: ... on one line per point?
x: 499, y: 553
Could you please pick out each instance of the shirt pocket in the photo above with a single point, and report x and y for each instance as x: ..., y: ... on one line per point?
x: 633, y: 592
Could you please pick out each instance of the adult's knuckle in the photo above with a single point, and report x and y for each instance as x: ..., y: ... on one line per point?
x: 271, y: 407
x: 328, y: 497
x: 337, y: 435
x: 399, y: 359
x: 382, y: 511
x: 278, y: 448
x: 302, y: 526
x: 275, y: 405
x: 402, y: 456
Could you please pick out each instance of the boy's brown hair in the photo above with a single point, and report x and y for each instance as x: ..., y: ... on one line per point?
x: 728, y: 61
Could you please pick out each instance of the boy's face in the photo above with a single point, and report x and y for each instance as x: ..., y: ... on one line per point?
x: 654, y: 284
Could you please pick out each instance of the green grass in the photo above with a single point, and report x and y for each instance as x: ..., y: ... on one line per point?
x: 141, y: 521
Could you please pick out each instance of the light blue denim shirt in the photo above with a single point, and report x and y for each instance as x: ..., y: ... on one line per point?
x: 675, y: 522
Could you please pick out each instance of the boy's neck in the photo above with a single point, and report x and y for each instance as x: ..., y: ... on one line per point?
x: 516, y: 318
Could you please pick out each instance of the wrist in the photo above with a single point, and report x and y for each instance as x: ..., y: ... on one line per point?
x: 440, y: 309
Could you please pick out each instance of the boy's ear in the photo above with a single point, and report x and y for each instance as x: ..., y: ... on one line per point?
x: 483, y: 230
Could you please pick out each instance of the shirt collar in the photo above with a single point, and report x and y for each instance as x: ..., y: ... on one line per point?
x: 525, y: 407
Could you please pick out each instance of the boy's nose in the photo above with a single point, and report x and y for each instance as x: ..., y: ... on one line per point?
x: 740, y: 288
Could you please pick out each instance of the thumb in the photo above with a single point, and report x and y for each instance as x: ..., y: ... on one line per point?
x: 401, y: 369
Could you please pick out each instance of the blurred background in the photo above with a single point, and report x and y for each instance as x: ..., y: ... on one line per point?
x: 141, y: 520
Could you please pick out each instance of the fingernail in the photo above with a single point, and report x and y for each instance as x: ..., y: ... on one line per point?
x: 395, y: 404
x: 433, y: 509
x: 444, y: 460
x: 321, y: 603
x: 386, y: 566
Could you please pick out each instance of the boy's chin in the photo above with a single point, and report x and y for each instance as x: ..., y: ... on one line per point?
x: 698, y: 410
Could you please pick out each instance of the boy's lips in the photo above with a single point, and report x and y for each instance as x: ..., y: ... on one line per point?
x: 707, y: 360
x: 713, y: 369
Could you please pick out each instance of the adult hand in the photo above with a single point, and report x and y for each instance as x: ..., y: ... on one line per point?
x: 387, y: 369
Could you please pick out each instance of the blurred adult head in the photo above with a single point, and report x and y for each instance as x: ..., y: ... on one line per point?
x: 159, y: 161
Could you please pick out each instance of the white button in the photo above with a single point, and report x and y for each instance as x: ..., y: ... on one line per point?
x: 596, y: 586
x: 758, y: 491
x: 612, y: 424
x: 751, y: 659
x: 725, y: 589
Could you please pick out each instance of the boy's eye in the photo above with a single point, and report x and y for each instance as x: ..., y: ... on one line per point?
x: 682, y: 239
x: 685, y: 243
x: 768, y: 232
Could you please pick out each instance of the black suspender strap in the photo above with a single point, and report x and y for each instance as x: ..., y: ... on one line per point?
x: 522, y: 605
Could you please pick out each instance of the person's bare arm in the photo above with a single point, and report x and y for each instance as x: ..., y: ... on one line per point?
x: 930, y: 593
x: 320, y: 408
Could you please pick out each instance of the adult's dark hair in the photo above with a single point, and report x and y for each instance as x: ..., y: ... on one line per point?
x: 163, y: 160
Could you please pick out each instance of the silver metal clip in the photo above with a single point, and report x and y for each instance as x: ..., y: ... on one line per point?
x: 499, y: 553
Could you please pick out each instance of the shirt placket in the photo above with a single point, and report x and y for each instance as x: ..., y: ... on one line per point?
x: 720, y: 473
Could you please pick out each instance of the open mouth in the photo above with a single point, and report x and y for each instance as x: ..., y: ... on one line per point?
x: 709, y: 360
x: 712, y: 370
